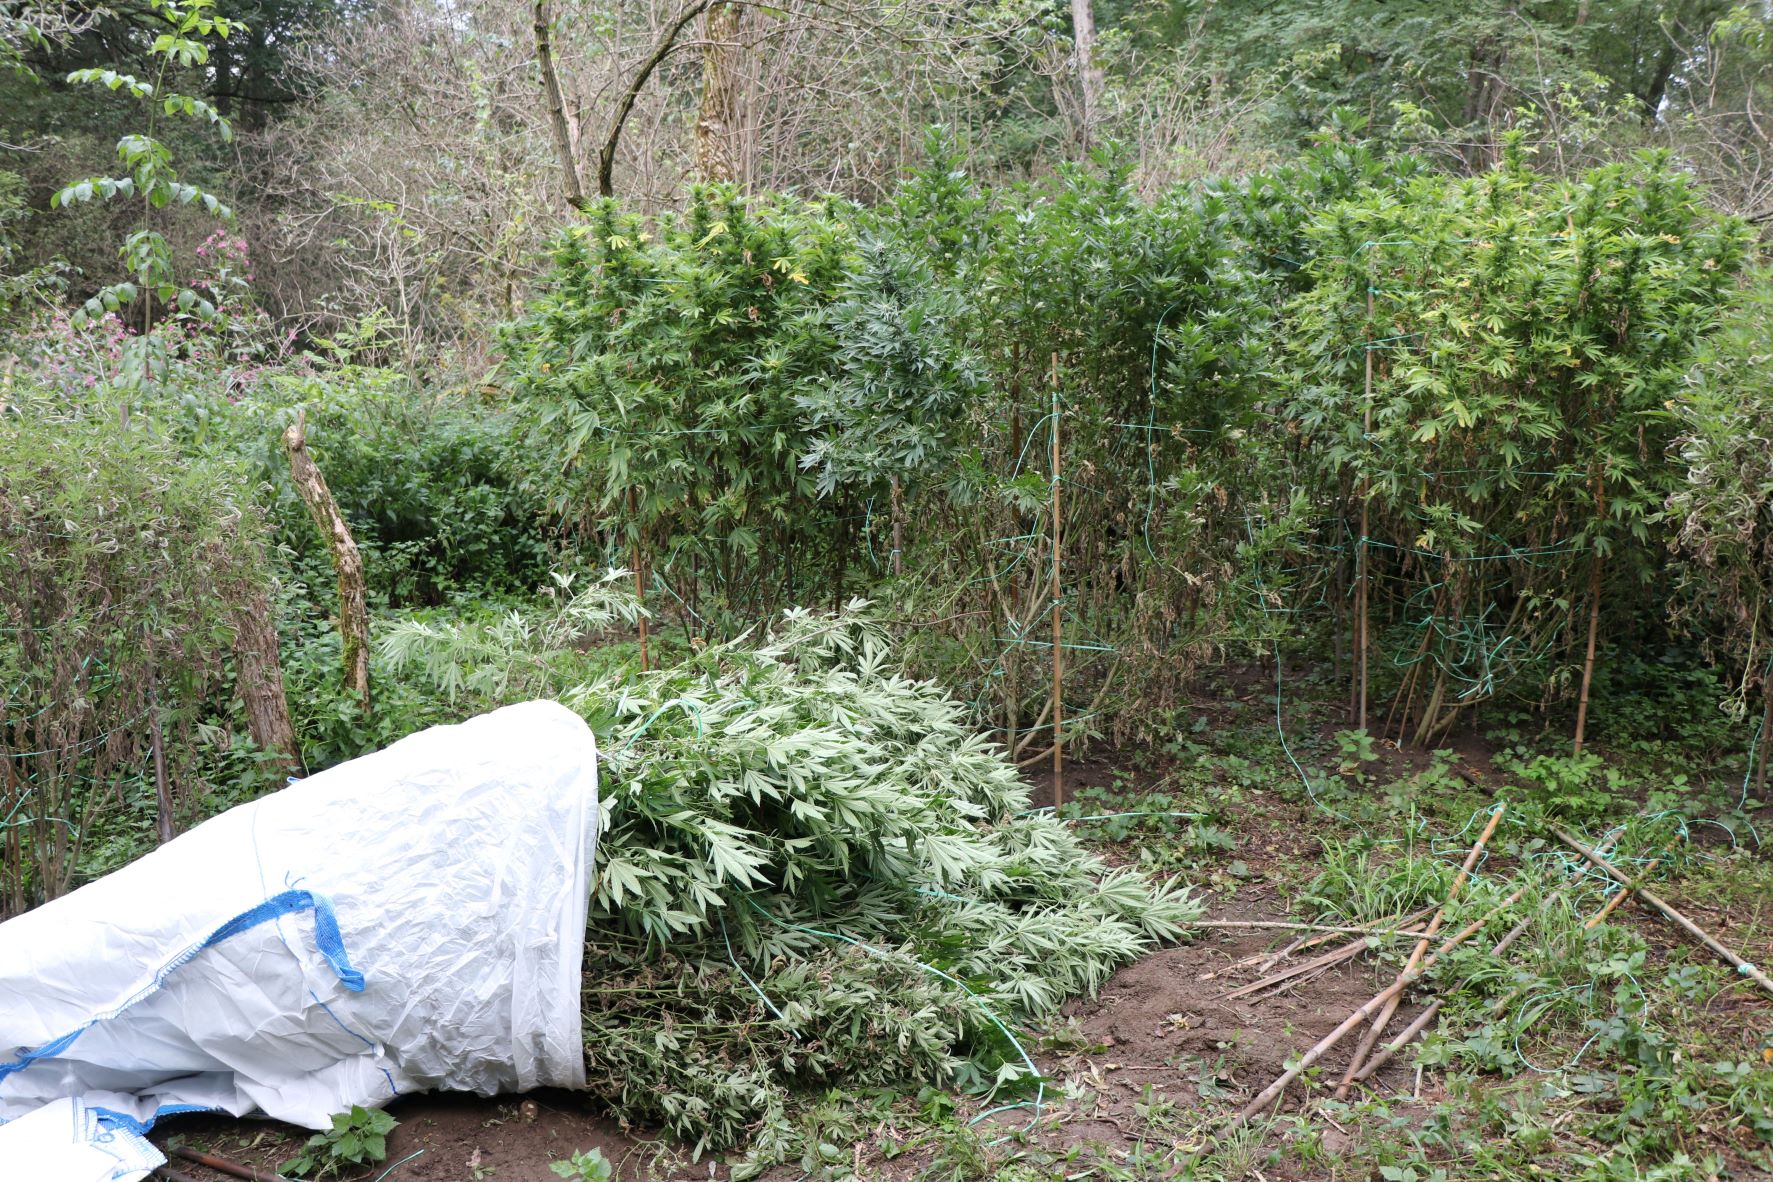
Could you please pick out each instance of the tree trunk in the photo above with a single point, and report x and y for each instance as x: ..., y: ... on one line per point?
x: 353, y: 598
x: 606, y: 159
x: 258, y: 675
x: 721, y: 119
x: 1089, y: 74
x: 222, y: 92
x: 1484, y: 90
x: 565, y: 150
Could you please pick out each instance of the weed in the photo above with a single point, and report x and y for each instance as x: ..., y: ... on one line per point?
x: 357, y: 1138
x: 587, y: 1166
x: 1359, y: 883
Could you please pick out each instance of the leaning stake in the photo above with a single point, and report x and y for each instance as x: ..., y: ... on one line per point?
x: 347, y: 562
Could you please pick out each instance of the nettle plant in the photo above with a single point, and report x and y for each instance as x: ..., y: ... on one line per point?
x: 149, y: 173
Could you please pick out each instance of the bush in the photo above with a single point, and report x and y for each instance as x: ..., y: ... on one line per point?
x: 119, y: 557
x: 426, y: 480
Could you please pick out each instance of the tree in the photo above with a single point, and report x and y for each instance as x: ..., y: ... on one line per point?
x: 151, y: 177
x: 720, y: 120
x: 1089, y: 70
x: 566, y: 146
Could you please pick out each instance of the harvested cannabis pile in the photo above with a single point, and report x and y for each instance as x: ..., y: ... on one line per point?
x: 815, y: 874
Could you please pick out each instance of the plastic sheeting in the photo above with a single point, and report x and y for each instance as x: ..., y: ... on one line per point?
x: 407, y: 921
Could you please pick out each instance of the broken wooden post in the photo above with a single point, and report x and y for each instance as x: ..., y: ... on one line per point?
x: 346, y: 560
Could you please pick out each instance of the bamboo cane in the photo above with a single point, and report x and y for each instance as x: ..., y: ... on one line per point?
x: 1058, y: 609
x: 1367, y: 1043
x: 1323, y: 961
x: 1400, y: 924
x: 1384, y: 1054
x: 1391, y: 992
x: 1698, y: 933
x: 1600, y: 916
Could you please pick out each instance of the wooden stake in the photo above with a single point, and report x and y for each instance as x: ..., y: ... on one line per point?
x: 1330, y: 929
x: 898, y: 498
x: 1698, y: 933
x: 1385, y: 1053
x: 1058, y: 611
x: 1594, y: 627
x: 1363, y: 621
x: 1379, y: 927
x: 1434, y: 925
x: 639, y: 571
x: 1594, y: 622
x: 1760, y: 781
x: 224, y: 1166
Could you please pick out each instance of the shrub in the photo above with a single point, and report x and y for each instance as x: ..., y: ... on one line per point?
x: 427, y: 481
x: 118, y: 560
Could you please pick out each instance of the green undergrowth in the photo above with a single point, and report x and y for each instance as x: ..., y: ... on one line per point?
x: 1618, y: 1051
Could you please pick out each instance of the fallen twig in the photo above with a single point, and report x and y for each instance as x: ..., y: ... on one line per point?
x: 1698, y: 933
x: 1325, y: 960
x: 222, y: 1164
